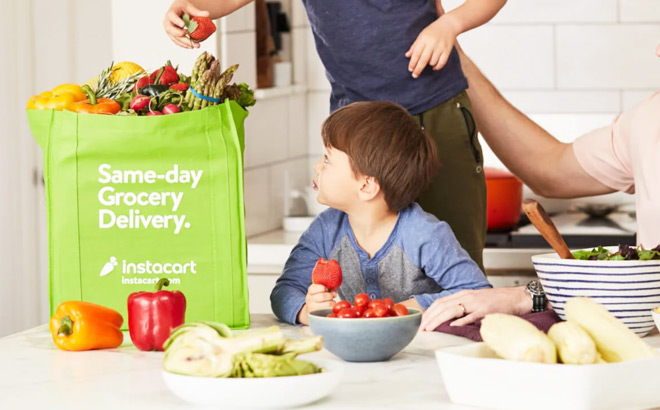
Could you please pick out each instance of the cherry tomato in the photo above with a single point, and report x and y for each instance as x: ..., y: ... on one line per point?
x: 331, y: 315
x: 347, y: 313
x: 375, y: 302
x: 400, y: 310
x: 380, y: 310
x: 368, y: 314
x: 362, y: 299
x: 340, y: 305
x: 360, y: 309
x: 388, y: 302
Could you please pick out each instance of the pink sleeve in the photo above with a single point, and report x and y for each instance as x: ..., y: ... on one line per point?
x: 603, y: 153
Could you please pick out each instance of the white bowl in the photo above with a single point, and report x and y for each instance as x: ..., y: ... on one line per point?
x: 628, y: 289
x: 656, y: 318
x: 473, y: 376
x: 253, y: 393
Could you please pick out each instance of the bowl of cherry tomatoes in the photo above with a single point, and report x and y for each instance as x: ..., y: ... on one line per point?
x: 366, y: 331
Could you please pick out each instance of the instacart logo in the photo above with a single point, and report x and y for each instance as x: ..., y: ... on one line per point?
x: 133, y: 272
x: 109, y: 266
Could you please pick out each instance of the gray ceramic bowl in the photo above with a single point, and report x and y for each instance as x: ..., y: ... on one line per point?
x: 365, y: 340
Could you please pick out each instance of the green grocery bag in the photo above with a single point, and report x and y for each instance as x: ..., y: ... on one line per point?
x: 132, y: 199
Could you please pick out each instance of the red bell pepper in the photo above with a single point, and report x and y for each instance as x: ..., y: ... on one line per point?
x: 153, y: 315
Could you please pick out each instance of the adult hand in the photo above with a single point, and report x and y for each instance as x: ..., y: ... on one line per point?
x: 432, y: 46
x: 174, y: 25
x: 471, y: 305
x: 318, y: 297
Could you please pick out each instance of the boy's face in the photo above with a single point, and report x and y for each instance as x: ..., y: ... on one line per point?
x: 335, y: 182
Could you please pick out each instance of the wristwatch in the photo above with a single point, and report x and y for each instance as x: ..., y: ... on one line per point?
x: 539, y: 300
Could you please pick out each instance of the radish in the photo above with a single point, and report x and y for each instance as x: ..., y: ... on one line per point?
x: 139, y: 102
x: 150, y: 113
x: 171, y: 109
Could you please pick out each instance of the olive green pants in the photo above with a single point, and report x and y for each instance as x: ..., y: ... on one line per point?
x: 457, y: 193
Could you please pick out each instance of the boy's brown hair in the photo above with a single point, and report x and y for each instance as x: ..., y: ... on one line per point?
x: 382, y: 140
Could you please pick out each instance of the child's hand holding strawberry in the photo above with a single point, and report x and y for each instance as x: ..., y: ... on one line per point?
x: 326, y: 279
x: 318, y: 297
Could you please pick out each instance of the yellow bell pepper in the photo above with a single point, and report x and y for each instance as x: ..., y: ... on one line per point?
x: 58, y: 99
x: 78, y: 325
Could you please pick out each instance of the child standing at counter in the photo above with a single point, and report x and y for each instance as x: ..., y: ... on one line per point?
x: 377, y: 160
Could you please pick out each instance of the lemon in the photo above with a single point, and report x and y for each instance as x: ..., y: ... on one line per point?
x: 124, y: 69
x: 120, y: 71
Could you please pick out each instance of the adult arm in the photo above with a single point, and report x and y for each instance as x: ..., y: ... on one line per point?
x: 548, y: 166
x: 174, y: 26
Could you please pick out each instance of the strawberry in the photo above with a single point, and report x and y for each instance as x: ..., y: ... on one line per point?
x: 168, y: 76
x: 199, y: 28
x: 327, y: 273
x: 179, y: 86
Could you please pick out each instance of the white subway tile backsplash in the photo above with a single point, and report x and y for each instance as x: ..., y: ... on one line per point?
x: 266, y: 132
x: 297, y: 126
x: 639, y: 11
x: 550, y: 11
x: 517, y: 57
x: 632, y: 98
x: 257, y: 201
x: 242, y: 19
x: 318, y: 109
x: 560, y: 101
x: 608, y: 56
x: 240, y: 48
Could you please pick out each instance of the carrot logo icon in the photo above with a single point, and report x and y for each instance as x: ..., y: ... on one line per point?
x: 109, y: 266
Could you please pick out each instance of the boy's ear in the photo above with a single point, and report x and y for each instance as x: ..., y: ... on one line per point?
x: 369, y: 189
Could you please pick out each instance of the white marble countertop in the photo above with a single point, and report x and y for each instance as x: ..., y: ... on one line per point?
x: 35, y: 374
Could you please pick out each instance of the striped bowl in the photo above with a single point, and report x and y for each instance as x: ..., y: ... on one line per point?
x: 628, y: 289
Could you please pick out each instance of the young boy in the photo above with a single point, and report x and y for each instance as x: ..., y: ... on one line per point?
x: 401, y: 51
x: 377, y: 160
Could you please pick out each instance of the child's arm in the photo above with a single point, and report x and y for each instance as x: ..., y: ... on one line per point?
x: 174, y: 26
x: 434, y: 44
x: 294, y: 295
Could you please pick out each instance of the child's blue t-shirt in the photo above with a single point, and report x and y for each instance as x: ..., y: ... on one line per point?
x: 362, y: 44
x: 421, y: 259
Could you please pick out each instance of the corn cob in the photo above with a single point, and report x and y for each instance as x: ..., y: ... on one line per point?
x: 573, y: 343
x: 614, y: 341
x: 514, y: 338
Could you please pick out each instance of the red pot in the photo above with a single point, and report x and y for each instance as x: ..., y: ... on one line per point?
x: 504, y: 199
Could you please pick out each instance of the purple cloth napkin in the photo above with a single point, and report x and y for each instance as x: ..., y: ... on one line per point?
x: 542, y: 320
